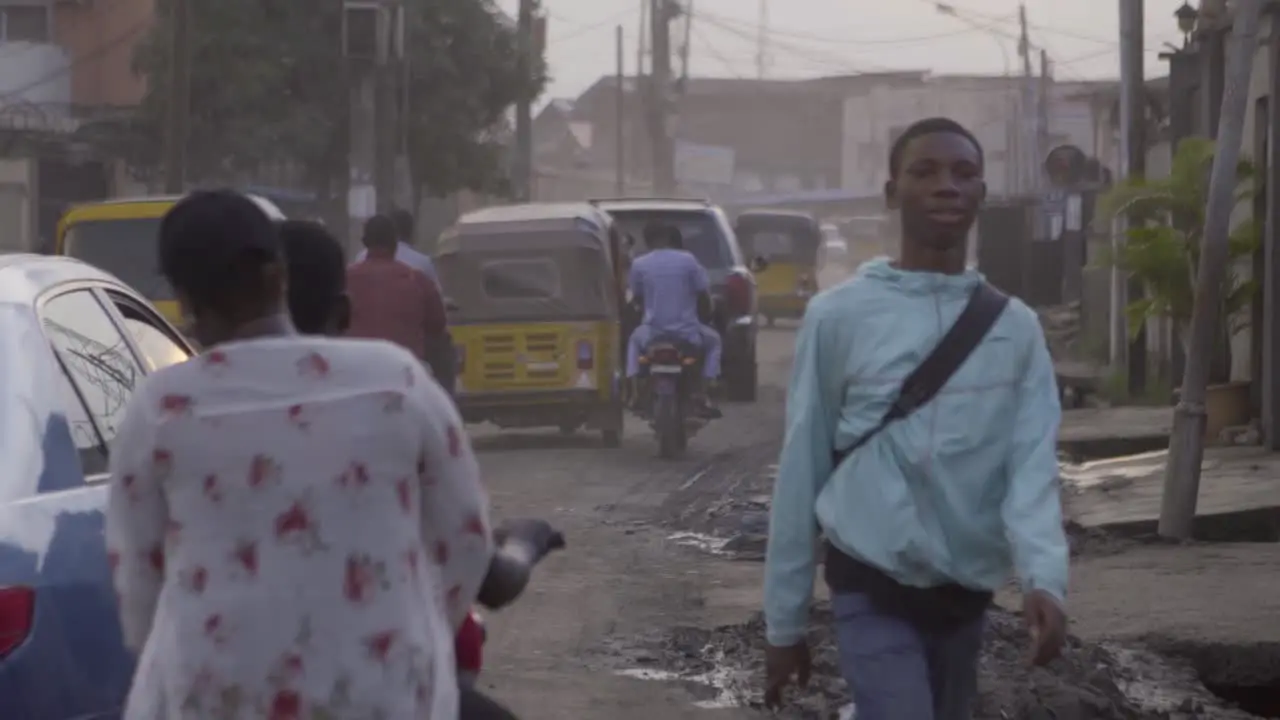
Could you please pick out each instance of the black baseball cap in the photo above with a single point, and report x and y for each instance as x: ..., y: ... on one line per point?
x: 206, y: 235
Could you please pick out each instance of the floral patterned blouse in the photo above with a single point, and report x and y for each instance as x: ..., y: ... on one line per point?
x: 296, y: 529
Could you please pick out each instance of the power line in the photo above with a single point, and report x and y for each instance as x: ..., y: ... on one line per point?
x: 960, y: 11
x: 582, y: 29
x: 844, y: 64
x: 810, y: 37
x: 715, y: 53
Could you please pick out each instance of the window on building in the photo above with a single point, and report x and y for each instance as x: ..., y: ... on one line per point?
x: 24, y: 23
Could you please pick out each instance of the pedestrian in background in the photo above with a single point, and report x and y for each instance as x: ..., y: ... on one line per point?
x: 922, y: 422
x: 402, y: 222
x: 394, y: 302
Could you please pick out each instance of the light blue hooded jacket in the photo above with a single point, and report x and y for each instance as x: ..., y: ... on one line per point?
x: 961, y: 491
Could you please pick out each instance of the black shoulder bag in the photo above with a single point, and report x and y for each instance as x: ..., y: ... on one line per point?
x: 945, y: 605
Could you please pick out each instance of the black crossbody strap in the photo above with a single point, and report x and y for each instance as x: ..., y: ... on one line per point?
x: 978, y: 317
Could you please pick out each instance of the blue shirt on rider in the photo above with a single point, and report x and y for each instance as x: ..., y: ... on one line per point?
x: 670, y: 281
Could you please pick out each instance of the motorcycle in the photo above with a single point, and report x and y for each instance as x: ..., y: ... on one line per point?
x: 668, y: 382
x: 521, y: 545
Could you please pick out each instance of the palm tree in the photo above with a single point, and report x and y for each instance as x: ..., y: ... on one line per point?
x: 1164, y: 251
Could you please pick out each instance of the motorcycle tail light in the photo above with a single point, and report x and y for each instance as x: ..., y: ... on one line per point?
x: 737, y: 295
x: 665, y: 356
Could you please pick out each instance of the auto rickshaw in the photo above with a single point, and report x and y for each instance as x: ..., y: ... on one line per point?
x: 788, y: 241
x: 534, y: 295
x: 119, y: 236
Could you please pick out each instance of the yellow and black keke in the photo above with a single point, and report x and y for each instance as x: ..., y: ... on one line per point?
x: 535, y: 295
x: 119, y: 236
x: 789, y: 242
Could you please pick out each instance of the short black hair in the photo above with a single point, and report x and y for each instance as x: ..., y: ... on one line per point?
x: 928, y: 126
x: 380, y: 231
x: 661, y: 234
x: 212, y: 242
x: 403, y: 220
x: 317, y: 273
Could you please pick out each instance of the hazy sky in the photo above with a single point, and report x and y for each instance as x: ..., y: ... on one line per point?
x: 832, y: 37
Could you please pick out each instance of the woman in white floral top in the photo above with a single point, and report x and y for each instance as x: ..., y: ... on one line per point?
x: 296, y: 524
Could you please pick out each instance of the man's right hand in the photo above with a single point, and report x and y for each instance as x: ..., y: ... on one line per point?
x: 780, y: 665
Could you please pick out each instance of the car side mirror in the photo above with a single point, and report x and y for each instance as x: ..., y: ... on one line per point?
x: 758, y: 264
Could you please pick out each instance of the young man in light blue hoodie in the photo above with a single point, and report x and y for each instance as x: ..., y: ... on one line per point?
x: 928, y: 517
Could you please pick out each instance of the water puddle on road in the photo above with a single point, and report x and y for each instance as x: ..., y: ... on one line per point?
x: 699, y: 541
x: 722, y: 683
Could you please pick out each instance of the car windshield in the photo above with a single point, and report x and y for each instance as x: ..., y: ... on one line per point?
x: 125, y: 248
x: 702, y: 233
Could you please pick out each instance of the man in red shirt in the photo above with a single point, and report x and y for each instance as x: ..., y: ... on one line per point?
x: 395, y: 302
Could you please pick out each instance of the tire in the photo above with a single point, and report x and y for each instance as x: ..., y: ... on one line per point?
x: 743, y: 380
x: 669, y: 426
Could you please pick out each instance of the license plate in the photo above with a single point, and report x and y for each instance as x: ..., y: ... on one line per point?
x: 542, y: 366
x: 666, y: 369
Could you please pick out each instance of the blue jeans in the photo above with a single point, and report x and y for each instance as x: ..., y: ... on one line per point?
x: 708, y: 339
x: 897, y: 672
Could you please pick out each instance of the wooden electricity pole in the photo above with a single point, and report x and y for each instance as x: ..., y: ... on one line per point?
x: 660, y: 88
x: 524, y: 106
x: 620, y: 121
x: 178, y: 118
x: 1186, y: 443
x: 1133, y: 141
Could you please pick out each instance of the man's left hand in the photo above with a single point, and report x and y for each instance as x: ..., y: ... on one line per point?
x: 1047, y: 623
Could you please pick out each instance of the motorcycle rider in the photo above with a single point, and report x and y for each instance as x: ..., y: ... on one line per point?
x: 673, y: 288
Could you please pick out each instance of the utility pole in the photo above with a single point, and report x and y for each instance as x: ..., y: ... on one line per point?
x: 1133, y: 149
x: 664, y: 181
x: 1042, y: 109
x: 686, y: 52
x: 762, y: 41
x: 178, y: 120
x: 1029, y: 132
x: 620, y: 113
x: 1186, y: 443
x: 524, y: 106
x: 642, y: 41
x: 386, y: 121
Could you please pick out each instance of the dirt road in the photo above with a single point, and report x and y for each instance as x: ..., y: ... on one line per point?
x: 550, y: 655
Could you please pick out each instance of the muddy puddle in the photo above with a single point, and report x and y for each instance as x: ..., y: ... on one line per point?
x: 723, y: 667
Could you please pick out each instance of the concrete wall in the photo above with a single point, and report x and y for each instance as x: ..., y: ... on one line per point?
x: 108, y: 32
x: 33, y: 74
x: 1241, y: 342
x: 987, y: 106
x: 17, y: 205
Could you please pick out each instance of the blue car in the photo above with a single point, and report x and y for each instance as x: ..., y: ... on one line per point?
x: 74, y: 342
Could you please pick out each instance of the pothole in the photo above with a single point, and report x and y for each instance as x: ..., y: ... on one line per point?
x: 1093, y: 681
x: 1245, y: 676
x: 1260, y: 700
